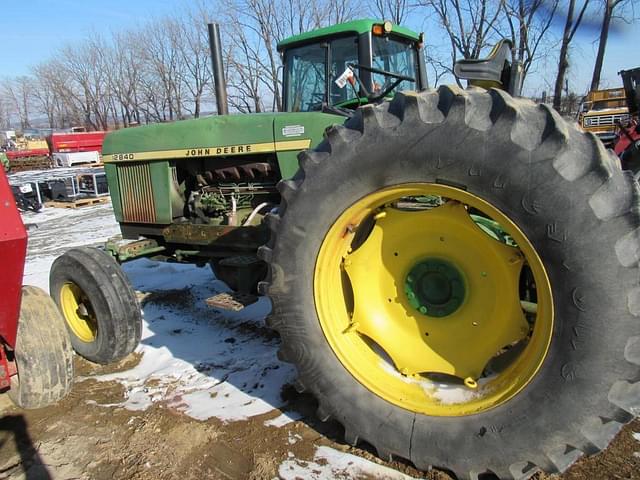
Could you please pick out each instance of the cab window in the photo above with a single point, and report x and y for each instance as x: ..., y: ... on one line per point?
x: 306, y: 77
x: 396, y: 56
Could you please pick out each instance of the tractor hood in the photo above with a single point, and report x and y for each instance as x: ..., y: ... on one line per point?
x: 218, y: 136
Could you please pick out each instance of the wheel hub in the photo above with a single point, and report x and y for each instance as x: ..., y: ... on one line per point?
x: 80, y: 319
x: 435, y: 287
x: 430, y: 298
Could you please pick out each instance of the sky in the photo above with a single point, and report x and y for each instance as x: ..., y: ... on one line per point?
x: 32, y: 30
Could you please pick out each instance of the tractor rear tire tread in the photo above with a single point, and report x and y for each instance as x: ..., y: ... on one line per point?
x: 44, y: 356
x: 537, y: 145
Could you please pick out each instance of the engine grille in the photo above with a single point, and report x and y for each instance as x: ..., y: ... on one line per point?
x: 136, y: 193
x: 605, y: 120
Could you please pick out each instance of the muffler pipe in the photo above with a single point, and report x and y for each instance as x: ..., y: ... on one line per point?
x: 219, y: 82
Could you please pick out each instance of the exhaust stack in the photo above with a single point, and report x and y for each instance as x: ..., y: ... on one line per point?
x: 218, y: 68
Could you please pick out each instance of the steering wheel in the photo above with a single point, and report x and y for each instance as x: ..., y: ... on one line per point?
x: 315, y: 102
x: 383, y: 72
x: 385, y: 90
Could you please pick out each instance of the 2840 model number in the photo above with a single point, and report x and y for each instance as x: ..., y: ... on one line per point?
x: 123, y: 156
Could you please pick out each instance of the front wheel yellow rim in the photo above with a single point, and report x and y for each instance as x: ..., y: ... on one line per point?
x: 78, y: 312
x: 433, y: 299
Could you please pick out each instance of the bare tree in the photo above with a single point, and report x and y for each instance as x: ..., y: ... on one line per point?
x: 244, y: 72
x: 255, y: 27
x: 164, y: 68
x: 124, y: 77
x: 83, y: 68
x: 470, y: 25
x: 5, y: 116
x: 44, y: 95
x: 340, y: 11
x: 571, y: 25
x: 195, y: 56
x: 610, y: 8
x: 18, y: 92
x: 438, y: 63
x: 529, y: 23
x: 394, y: 10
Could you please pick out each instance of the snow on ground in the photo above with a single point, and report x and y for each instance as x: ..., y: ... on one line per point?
x: 55, y: 230
x: 195, y: 360
x: 199, y: 361
x: 329, y: 464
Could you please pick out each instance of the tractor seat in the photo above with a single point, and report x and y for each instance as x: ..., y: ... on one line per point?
x: 494, y: 68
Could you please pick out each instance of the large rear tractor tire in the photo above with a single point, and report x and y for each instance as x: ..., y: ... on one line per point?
x: 43, y: 354
x: 99, y: 306
x: 454, y: 275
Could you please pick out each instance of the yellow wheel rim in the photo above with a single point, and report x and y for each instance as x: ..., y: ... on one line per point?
x: 460, y: 341
x: 78, y: 312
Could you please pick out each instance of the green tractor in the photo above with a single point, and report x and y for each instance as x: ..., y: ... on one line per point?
x: 453, y: 272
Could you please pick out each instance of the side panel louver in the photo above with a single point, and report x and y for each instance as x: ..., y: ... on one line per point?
x: 136, y: 193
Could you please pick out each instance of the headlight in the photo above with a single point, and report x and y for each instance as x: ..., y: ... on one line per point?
x: 587, y: 121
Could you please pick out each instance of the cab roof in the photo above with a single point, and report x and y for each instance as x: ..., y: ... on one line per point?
x: 355, y: 26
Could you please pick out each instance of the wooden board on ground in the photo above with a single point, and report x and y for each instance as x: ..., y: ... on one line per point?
x: 82, y: 202
x: 234, y: 301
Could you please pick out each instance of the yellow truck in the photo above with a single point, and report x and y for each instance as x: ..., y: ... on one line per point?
x: 601, y: 110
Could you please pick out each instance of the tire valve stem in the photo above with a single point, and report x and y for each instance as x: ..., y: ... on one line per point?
x: 470, y: 383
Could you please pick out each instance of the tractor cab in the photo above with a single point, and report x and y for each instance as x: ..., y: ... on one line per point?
x: 339, y: 68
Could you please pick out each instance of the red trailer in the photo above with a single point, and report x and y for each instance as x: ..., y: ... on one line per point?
x: 36, y: 357
x: 32, y: 152
x: 67, y: 149
x: 76, y: 142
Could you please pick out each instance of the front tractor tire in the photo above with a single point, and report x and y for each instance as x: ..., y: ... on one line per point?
x: 99, y: 305
x: 454, y: 275
x: 43, y: 354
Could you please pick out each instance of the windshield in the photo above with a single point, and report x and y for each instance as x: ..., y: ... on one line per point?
x: 392, y: 55
x: 605, y: 104
x: 306, y: 82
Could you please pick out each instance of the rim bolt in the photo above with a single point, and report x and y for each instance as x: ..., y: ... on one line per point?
x: 483, y: 274
x: 470, y: 383
x: 410, y: 279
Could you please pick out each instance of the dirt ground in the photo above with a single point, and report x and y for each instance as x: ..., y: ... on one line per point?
x: 85, y: 438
